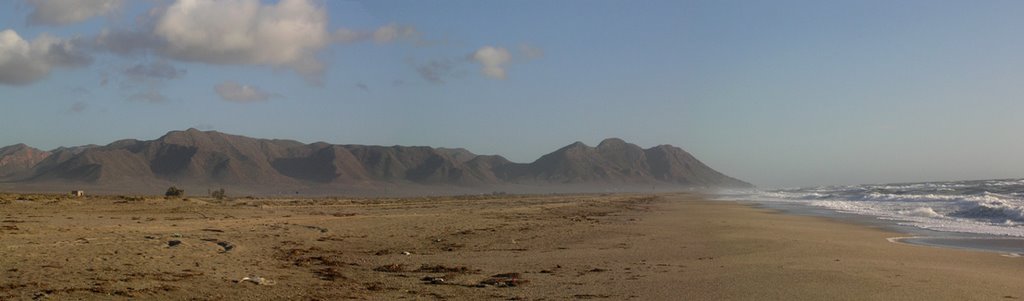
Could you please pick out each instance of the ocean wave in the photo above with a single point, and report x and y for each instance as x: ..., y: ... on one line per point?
x: 995, y: 211
x: 984, y: 196
x: 988, y: 206
x: 921, y: 212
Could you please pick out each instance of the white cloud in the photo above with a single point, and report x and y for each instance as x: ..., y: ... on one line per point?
x: 63, y: 12
x: 392, y: 32
x: 286, y: 34
x: 148, y: 79
x: 492, y: 61
x: 160, y: 70
x: 127, y: 43
x: 246, y: 32
x: 23, y: 62
x: 233, y: 91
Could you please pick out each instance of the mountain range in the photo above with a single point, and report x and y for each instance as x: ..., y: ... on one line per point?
x: 208, y: 159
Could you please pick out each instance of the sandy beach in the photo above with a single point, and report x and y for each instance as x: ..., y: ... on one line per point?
x: 551, y: 247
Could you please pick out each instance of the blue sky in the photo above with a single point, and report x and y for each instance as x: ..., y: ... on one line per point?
x: 778, y: 93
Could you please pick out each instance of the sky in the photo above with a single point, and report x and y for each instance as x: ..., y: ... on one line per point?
x: 777, y: 93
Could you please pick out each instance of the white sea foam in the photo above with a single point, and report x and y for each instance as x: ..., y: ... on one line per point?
x: 988, y: 207
x: 921, y: 212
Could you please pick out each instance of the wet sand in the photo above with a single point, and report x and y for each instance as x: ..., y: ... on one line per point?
x: 615, y: 247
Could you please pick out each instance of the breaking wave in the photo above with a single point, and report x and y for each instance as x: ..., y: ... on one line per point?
x: 988, y: 207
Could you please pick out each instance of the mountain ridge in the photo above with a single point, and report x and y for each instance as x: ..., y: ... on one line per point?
x: 210, y: 158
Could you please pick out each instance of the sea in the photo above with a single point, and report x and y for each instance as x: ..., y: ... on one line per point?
x: 980, y: 214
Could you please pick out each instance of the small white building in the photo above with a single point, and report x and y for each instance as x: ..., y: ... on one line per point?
x: 77, y: 193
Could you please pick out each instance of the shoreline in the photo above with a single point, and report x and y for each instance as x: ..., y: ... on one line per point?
x: 613, y: 247
x: 1007, y: 245
x: 811, y: 257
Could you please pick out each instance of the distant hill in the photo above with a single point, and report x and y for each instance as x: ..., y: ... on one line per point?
x: 15, y: 160
x: 207, y: 159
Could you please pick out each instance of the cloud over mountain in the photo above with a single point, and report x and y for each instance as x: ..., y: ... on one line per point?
x: 23, y: 62
x: 286, y: 35
x: 290, y: 35
x: 492, y: 61
x: 236, y: 92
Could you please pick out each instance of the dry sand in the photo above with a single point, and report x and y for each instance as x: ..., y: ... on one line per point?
x: 618, y: 247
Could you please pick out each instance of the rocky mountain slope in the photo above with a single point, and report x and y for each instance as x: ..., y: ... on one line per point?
x: 211, y: 158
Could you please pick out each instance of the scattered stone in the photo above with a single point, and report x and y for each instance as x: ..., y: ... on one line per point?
x: 505, y: 280
x: 257, y: 280
x: 433, y: 280
x: 444, y: 269
x: 226, y: 245
x: 172, y: 243
x: 330, y: 274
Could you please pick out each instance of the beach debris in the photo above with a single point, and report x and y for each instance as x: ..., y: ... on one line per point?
x: 425, y: 268
x: 226, y: 245
x: 504, y: 280
x: 257, y: 280
x: 330, y: 274
x: 551, y: 270
x: 406, y: 253
x: 176, y: 235
x: 173, y: 242
x: 213, y: 230
x: 433, y: 280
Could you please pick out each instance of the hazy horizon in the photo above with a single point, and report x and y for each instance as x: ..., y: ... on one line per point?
x: 779, y: 94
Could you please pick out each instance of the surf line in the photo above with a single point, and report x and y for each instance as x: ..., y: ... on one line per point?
x: 899, y: 240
